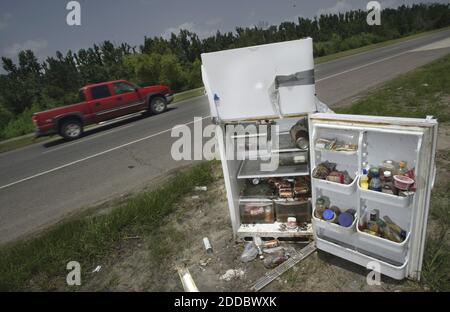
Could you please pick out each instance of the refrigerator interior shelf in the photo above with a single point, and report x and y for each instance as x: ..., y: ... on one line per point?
x: 349, y: 153
x: 387, y: 199
x: 252, y: 169
x: 271, y: 230
x: 285, y: 144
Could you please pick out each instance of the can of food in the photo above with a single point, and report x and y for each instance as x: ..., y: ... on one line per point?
x: 291, y: 222
x: 271, y: 244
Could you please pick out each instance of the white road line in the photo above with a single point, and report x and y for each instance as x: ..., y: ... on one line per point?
x: 362, y: 66
x: 87, y: 139
x: 95, y: 155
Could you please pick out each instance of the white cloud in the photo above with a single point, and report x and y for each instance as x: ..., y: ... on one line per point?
x: 203, y: 30
x: 35, y: 45
x: 4, y: 20
x: 339, y: 6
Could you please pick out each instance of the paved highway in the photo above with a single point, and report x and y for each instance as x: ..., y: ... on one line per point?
x: 42, y: 183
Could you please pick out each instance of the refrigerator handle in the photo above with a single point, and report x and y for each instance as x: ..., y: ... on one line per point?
x: 433, y: 177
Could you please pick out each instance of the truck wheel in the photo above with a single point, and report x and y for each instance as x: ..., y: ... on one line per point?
x: 71, y: 129
x: 158, y: 105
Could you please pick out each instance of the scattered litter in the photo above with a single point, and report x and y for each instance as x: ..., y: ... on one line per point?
x: 97, y: 269
x: 270, y: 276
x: 207, y: 245
x: 424, y: 84
x: 132, y: 237
x: 186, y: 280
x: 250, y: 252
x: 204, y: 263
x: 195, y: 197
x: 271, y: 244
x: 274, y: 259
x: 201, y: 188
x: 232, y: 274
x: 273, y: 250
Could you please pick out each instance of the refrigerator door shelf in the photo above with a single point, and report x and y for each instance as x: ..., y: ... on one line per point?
x: 272, y: 230
x: 383, y: 244
x: 396, y: 272
x: 335, y: 232
x: 346, y: 189
x: 387, y: 199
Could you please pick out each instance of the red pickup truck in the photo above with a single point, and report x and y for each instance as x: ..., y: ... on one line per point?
x: 100, y: 102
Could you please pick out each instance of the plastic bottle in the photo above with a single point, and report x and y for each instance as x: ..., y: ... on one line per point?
x: 403, y: 169
x: 364, y: 180
x: 375, y: 183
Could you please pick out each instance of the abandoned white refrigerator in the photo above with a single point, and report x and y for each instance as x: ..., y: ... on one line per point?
x: 271, y: 87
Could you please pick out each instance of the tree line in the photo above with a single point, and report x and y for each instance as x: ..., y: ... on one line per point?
x: 29, y: 85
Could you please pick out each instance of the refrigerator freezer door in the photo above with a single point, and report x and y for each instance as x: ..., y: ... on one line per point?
x: 260, y: 82
x: 400, y: 138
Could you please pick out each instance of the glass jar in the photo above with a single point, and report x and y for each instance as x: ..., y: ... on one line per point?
x: 375, y: 182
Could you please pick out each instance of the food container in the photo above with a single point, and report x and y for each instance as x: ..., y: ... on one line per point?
x: 291, y: 223
x: 301, y: 210
x: 403, y: 182
x: 329, y: 215
x: 346, y: 219
x: 336, y: 177
x: 257, y: 212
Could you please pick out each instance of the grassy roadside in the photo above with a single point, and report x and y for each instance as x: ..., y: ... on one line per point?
x: 424, y: 91
x: 31, y: 264
x: 332, y: 57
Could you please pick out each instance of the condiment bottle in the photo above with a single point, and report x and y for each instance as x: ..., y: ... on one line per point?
x: 364, y: 182
x: 329, y: 215
x: 375, y: 183
x: 387, y: 185
x: 403, y: 169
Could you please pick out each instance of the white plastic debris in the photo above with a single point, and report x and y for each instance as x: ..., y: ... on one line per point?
x: 97, y: 269
x: 207, y: 245
x: 195, y: 197
x: 232, y: 274
x: 201, y: 188
x: 186, y: 280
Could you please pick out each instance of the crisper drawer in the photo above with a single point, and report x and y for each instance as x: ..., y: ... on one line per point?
x: 256, y: 211
x: 301, y: 210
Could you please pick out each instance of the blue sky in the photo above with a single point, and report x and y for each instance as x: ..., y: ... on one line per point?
x: 40, y: 25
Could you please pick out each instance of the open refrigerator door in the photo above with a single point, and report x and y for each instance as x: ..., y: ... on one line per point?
x: 380, y: 215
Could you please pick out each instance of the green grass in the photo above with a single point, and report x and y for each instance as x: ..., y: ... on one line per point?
x: 35, y: 263
x: 186, y: 95
x: 334, y: 56
x: 424, y: 91
x: 19, y: 142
